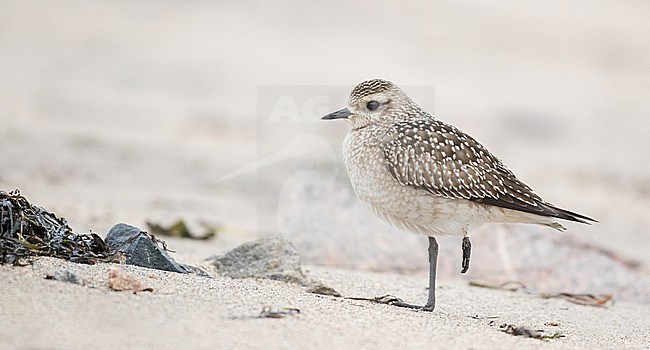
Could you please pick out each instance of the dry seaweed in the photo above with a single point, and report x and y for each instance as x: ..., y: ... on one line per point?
x: 180, y: 229
x: 384, y: 299
x: 599, y: 300
x: 323, y: 290
x: 477, y: 317
x: 27, y: 230
x: 267, y: 312
x: 528, y: 332
x: 511, y: 286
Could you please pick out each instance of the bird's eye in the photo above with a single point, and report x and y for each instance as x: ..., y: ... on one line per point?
x: 372, y: 105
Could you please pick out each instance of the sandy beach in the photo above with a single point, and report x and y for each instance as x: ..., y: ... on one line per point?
x: 209, y: 112
x: 196, y: 312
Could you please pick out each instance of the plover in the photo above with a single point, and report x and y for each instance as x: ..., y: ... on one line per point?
x: 427, y: 177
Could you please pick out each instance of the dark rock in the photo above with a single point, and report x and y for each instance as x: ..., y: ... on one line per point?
x: 141, y: 249
x: 273, y: 258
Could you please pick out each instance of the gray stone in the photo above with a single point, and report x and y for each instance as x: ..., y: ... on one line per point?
x: 273, y: 258
x: 66, y: 275
x: 140, y: 249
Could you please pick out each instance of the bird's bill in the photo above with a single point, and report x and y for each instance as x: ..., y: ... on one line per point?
x: 340, y: 114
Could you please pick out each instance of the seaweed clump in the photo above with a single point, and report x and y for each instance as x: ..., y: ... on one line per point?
x: 27, y: 230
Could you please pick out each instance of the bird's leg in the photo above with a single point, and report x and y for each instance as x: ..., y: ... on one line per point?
x: 433, y: 266
x: 467, y: 253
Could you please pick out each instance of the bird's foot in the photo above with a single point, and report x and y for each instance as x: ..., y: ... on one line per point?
x: 467, y: 253
x: 395, y: 301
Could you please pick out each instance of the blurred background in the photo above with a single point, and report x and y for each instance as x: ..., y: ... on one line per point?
x: 209, y: 112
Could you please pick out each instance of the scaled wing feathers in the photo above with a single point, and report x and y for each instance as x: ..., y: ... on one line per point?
x: 441, y: 159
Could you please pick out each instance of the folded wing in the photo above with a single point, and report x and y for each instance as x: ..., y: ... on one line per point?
x: 446, y: 162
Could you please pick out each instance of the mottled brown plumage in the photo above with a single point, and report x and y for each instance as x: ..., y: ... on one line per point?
x: 441, y: 159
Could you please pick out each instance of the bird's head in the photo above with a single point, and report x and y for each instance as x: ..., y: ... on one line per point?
x: 374, y: 101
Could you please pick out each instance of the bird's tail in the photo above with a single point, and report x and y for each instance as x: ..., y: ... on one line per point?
x: 569, y: 215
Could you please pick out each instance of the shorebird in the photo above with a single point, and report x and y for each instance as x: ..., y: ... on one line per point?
x: 424, y: 176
